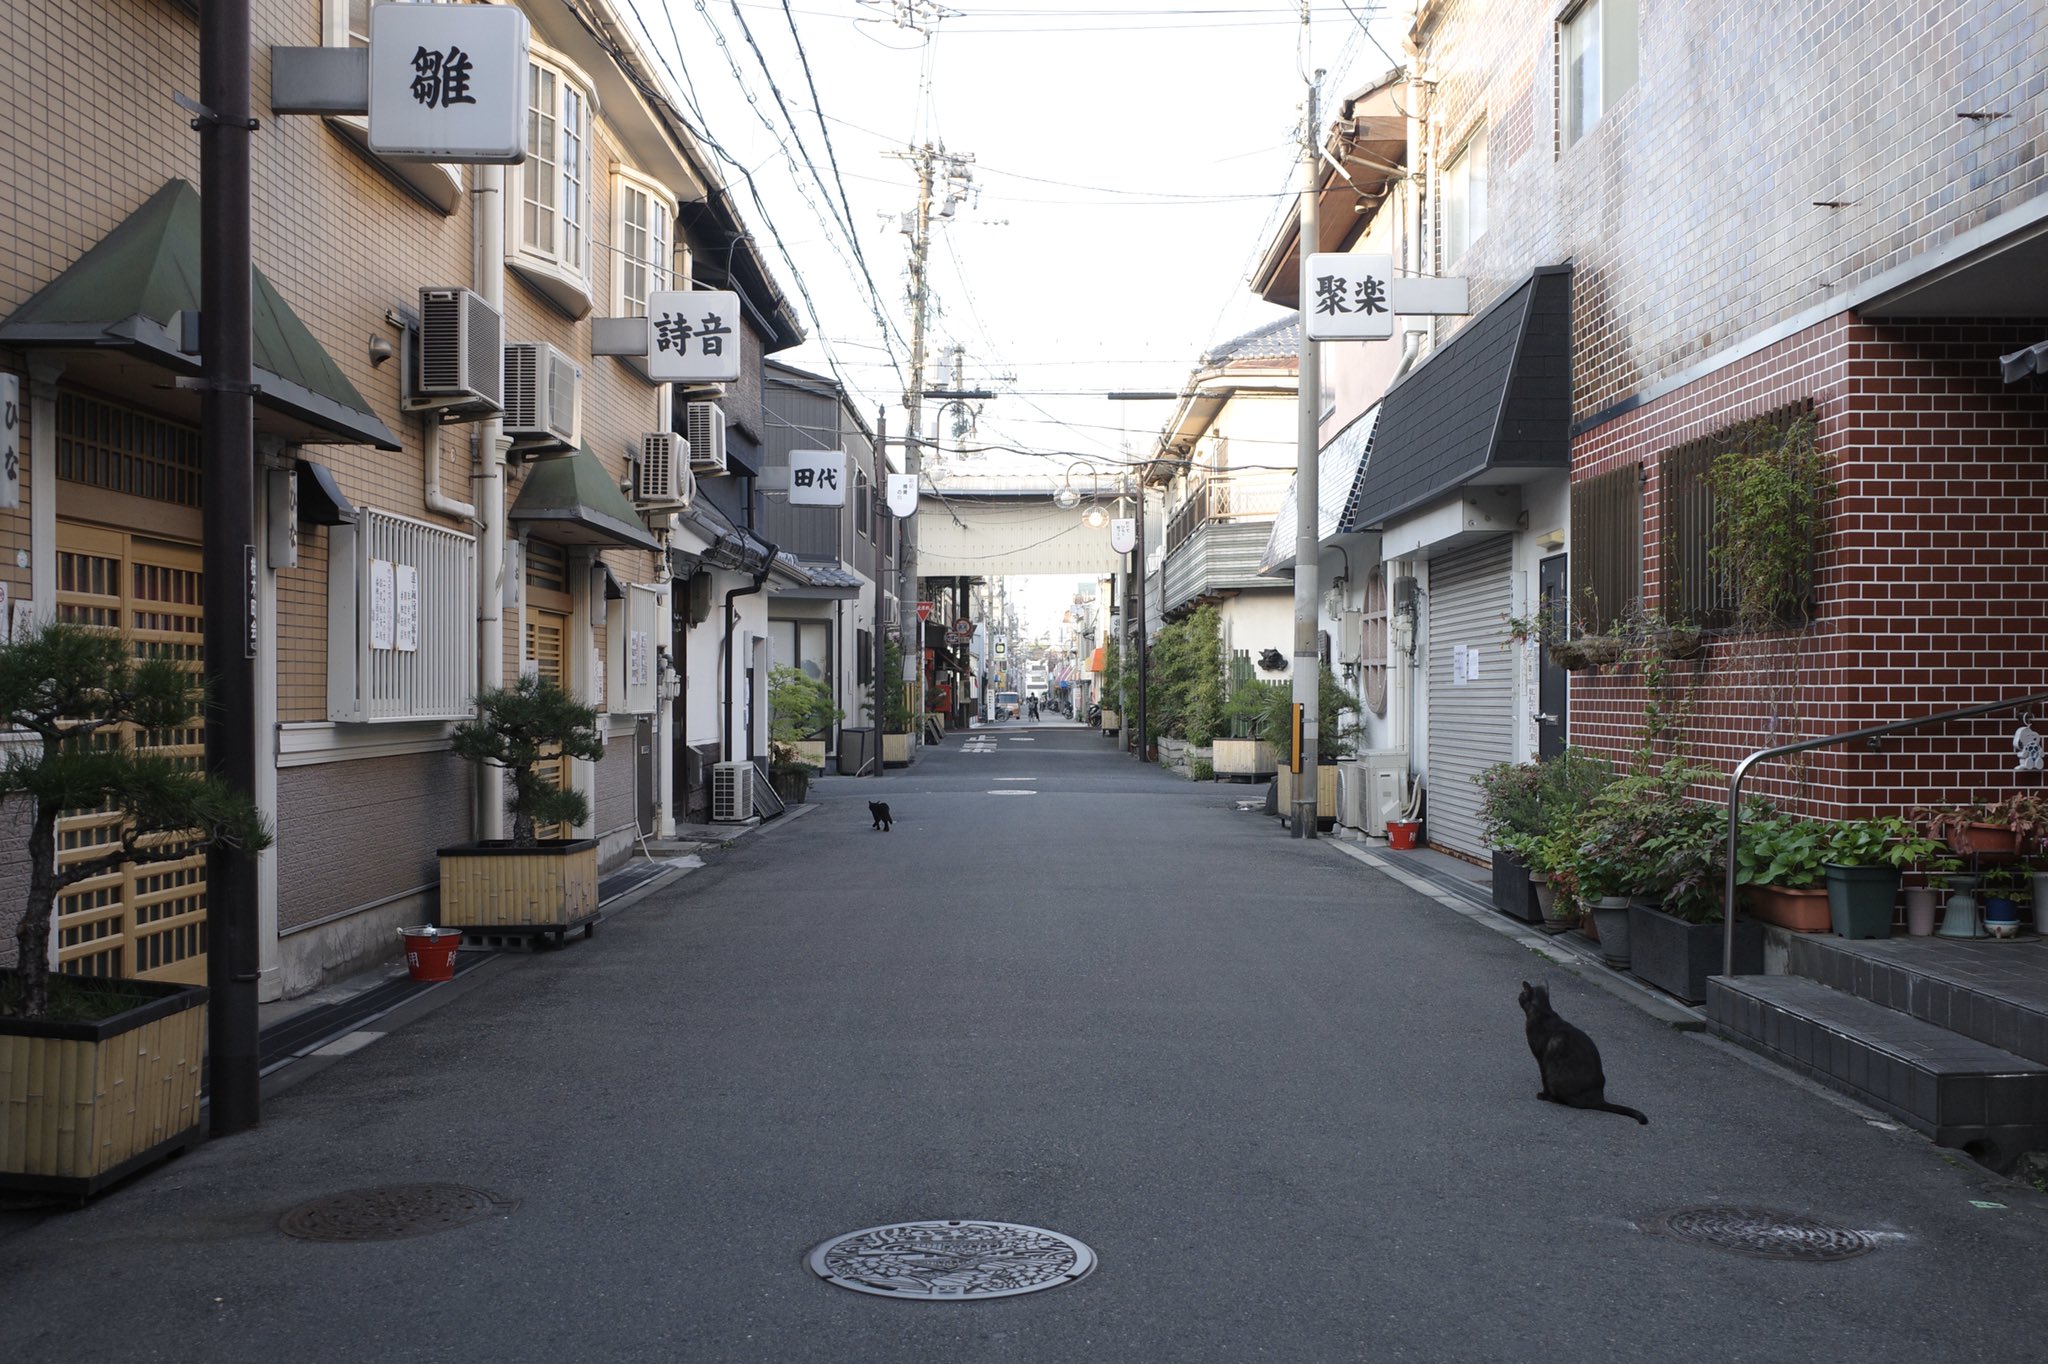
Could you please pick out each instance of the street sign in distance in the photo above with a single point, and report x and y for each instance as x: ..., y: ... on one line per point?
x: 924, y: 610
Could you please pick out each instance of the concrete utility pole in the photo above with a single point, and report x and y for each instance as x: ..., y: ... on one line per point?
x: 1308, y: 670
x: 933, y: 164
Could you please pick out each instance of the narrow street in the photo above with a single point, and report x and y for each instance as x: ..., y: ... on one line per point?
x: 1286, y: 1101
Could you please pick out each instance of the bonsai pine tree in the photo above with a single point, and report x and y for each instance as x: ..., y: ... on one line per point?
x: 800, y: 707
x: 77, y: 689
x: 518, y: 728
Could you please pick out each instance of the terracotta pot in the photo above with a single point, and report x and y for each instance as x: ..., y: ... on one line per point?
x: 1984, y: 838
x: 1802, y: 911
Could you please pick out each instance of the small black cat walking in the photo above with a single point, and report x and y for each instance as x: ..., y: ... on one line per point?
x: 1567, y: 1058
x: 880, y: 810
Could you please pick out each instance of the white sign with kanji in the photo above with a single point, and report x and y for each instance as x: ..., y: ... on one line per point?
x: 10, y: 440
x: 693, y: 336
x: 448, y: 83
x: 903, y: 494
x: 817, y: 478
x: 1344, y: 297
x: 1123, y: 534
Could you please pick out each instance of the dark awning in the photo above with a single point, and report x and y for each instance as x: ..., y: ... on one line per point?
x: 570, y: 500
x: 120, y: 302
x: 1492, y: 405
x: 321, y: 502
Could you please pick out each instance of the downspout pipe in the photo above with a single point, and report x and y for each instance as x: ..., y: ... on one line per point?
x: 731, y: 619
x: 487, y: 218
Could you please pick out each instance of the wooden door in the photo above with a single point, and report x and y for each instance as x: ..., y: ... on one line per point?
x: 547, y: 635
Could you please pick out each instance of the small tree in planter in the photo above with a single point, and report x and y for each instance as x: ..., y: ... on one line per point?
x: 124, y: 1103
x: 526, y: 882
x: 800, y: 710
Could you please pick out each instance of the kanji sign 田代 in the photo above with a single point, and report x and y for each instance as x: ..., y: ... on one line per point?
x: 817, y: 478
x: 449, y: 83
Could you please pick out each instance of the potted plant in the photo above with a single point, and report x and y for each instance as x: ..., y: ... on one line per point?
x: 1780, y: 860
x: 898, y: 715
x: 525, y: 883
x: 1333, y: 741
x: 130, y: 1052
x: 800, y: 711
x: 1862, y: 865
x: 1923, y: 902
x: 1511, y: 814
x: 2002, y: 885
x: 1656, y: 853
x: 1247, y: 750
x: 2014, y: 823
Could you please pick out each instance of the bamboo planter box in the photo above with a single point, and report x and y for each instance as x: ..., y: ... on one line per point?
x: 1111, y: 721
x: 1248, y: 758
x: 811, y: 752
x: 896, y: 750
x: 1326, y: 793
x: 85, y: 1104
x: 493, y: 885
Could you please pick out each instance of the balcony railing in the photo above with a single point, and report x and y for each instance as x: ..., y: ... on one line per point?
x: 1223, y: 499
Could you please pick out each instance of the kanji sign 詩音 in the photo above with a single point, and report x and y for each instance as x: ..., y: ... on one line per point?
x: 1345, y: 297
x: 693, y: 336
x: 817, y: 478
x: 449, y: 83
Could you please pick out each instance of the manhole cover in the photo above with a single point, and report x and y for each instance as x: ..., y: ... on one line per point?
x: 938, y: 1261
x: 391, y: 1212
x: 1764, y: 1233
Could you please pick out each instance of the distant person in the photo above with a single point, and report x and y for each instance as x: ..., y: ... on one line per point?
x: 1033, y: 707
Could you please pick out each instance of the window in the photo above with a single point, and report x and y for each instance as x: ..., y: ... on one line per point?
x: 1464, y: 192
x: 548, y: 198
x: 346, y: 23
x: 401, y: 620
x: 646, y: 261
x: 1607, y: 548
x: 1598, y: 63
x: 863, y: 513
x: 1692, y: 589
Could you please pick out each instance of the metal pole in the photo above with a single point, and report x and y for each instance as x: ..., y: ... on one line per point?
x: 228, y: 531
x: 1144, y: 665
x: 1308, y: 672
x: 913, y: 462
x: 879, y: 646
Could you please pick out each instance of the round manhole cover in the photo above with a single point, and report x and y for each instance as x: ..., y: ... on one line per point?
x: 949, y: 1261
x: 391, y: 1212
x: 1764, y: 1233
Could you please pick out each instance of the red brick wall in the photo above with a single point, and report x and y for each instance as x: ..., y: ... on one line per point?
x: 1932, y: 589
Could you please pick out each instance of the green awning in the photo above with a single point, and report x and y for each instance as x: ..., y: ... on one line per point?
x: 122, y: 299
x: 570, y: 500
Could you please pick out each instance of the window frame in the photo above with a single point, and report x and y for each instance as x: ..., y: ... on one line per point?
x: 1614, y: 28
x: 660, y: 265
x: 1464, y: 212
x: 564, y: 276
x: 436, y: 184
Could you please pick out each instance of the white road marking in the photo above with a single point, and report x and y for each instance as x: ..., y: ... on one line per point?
x: 350, y: 1042
x: 1012, y: 792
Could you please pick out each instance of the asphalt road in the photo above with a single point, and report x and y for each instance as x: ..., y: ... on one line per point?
x: 1285, y: 1099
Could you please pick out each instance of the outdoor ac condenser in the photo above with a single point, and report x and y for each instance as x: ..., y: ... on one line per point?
x: 459, y: 367
x: 664, y: 478
x: 704, y: 426
x: 1384, y: 788
x: 543, y: 397
x: 732, y: 792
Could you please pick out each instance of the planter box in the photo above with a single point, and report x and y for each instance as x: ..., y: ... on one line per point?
x: 1251, y: 758
x: 1860, y: 900
x: 790, y: 784
x: 1514, y: 894
x: 495, y: 885
x: 1111, y: 721
x: 896, y: 750
x: 1326, y: 794
x: 85, y: 1104
x: 1802, y: 911
x: 1610, y: 930
x: 811, y: 752
x: 1677, y: 957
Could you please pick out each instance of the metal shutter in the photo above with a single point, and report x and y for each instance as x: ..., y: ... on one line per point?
x: 1471, y: 724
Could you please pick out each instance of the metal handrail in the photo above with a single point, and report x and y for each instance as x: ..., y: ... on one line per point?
x: 1874, y: 732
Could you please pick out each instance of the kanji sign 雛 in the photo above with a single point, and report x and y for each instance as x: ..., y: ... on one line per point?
x: 693, y: 336
x: 449, y: 83
x: 817, y: 478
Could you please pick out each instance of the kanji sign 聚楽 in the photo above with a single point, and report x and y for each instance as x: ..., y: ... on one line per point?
x: 449, y: 83
x: 693, y: 336
x: 1344, y: 297
x: 817, y: 478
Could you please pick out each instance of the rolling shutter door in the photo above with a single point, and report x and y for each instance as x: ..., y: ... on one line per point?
x: 1471, y: 723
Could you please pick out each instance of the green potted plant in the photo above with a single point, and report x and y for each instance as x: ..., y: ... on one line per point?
x: 1243, y: 749
x: 1779, y: 861
x: 1658, y: 853
x: 130, y: 1051
x: 1333, y: 741
x: 1862, y: 865
x: 800, y: 711
x: 2003, y: 885
x: 1511, y: 814
x: 1923, y: 900
x: 2014, y: 823
x: 525, y: 883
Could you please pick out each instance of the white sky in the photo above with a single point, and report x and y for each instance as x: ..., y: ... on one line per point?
x: 1131, y: 161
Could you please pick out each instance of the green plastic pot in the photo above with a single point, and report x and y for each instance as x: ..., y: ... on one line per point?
x: 1860, y: 900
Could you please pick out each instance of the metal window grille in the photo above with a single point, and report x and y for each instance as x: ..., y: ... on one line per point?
x: 1693, y: 590
x: 1607, y: 548
x: 432, y: 681
x: 122, y: 450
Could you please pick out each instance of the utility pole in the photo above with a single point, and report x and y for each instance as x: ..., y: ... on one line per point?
x: 1308, y: 670
x: 933, y: 164
x: 877, y: 510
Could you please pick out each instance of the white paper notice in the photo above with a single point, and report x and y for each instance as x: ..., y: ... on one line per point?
x: 408, y: 627
x: 383, y: 603
x: 1458, y: 652
x: 1472, y: 663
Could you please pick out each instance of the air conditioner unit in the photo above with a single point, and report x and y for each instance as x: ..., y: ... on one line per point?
x: 543, y: 397
x: 460, y: 370
x: 1385, y: 787
x: 704, y: 427
x: 664, y: 479
x: 732, y: 792
x: 1351, y: 803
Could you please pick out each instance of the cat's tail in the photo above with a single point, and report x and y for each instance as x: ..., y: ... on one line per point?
x: 1625, y: 1112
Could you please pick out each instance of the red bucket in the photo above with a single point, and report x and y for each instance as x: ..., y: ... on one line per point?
x: 430, y: 952
x: 1404, y: 833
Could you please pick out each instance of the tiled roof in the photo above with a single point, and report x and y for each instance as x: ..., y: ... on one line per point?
x: 1279, y: 339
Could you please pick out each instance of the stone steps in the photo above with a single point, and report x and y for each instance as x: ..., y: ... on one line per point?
x: 1994, y: 992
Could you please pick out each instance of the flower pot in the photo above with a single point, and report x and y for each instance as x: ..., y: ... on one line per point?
x: 1610, y: 920
x: 1860, y: 900
x: 2041, y: 902
x: 1513, y: 892
x: 895, y: 750
x: 2001, y: 916
x: 1802, y: 911
x: 1677, y: 957
x: 1404, y: 834
x: 1326, y: 793
x: 1251, y: 758
x: 790, y: 783
x: 1983, y: 838
x: 1959, y: 915
x: 1921, y: 904
x: 85, y: 1104
x: 1545, y: 893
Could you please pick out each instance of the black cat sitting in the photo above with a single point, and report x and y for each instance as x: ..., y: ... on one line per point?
x: 880, y: 810
x: 1567, y: 1058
